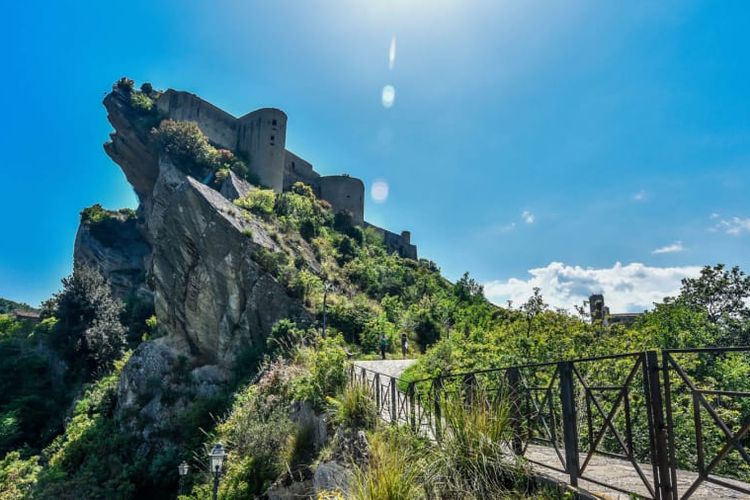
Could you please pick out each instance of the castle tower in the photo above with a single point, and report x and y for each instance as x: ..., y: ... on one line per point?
x: 261, y: 137
x: 344, y: 193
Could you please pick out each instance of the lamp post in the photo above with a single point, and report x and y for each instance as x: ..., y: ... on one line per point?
x: 327, y: 287
x: 216, y: 460
x: 183, y: 469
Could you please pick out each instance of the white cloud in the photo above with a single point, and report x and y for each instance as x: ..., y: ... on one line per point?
x: 626, y: 288
x: 733, y: 225
x: 640, y: 196
x: 528, y: 217
x: 673, y: 248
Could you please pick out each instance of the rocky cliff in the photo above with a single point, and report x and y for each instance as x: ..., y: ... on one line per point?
x: 193, y: 251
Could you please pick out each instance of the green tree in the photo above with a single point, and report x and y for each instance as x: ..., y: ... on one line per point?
x: 722, y: 294
x: 88, y: 327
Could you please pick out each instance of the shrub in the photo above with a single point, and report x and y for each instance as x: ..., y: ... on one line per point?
x: 259, y: 201
x: 147, y: 88
x: 141, y: 102
x: 125, y: 84
x: 270, y: 262
x: 469, y: 458
x: 18, y: 476
x: 354, y: 408
x: 94, y: 214
x: 285, y: 336
x: 394, y: 470
x: 88, y: 333
x: 299, y: 207
x: 326, y: 363
x: 186, y: 145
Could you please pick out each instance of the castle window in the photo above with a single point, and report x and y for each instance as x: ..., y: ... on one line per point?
x: 273, y: 138
x: 273, y: 122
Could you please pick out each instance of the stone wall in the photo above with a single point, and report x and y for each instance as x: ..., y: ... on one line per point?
x: 344, y: 193
x: 260, y: 137
x: 400, y: 243
x: 297, y: 169
x: 219, y: 126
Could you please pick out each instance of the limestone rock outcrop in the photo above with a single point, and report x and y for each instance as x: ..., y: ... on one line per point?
x: 194, y: 253
x: 118, y: 249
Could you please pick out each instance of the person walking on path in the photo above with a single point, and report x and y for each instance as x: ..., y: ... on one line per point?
x: 404, y: 345
x: 383, y: 346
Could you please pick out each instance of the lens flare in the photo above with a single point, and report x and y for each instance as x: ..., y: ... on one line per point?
x: 388, y: 96
x: 379, y: 191
x: 392, y: 53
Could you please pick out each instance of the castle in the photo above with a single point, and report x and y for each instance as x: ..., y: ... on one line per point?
x: 260, y: 136
x: 600, y: 313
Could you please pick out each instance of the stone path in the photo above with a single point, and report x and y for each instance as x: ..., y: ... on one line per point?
x: 620, y: 473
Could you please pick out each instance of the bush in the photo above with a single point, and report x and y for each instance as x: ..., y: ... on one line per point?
x: 354, y: 408
x: 394, y: 471
x: 141, y: 102
x: 300, y: 208
x: 270, y: 262
x: 285, y: 336
x: 88, y: 334
x: 125, y: 84
x: 17, y: 476
x: 94, y: 214
x: 259, y: 201
x: 326, y: 363
x: 147, y: 88
x: 469, y: 458
x: 186, y: 145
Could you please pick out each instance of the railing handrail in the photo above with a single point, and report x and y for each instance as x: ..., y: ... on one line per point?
x: 451, y: 375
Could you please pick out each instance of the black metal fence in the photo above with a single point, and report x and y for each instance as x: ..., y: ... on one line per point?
x: 644, y: 423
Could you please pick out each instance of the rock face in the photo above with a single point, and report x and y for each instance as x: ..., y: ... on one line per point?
x: 208, y: 290
x: 117, y: 248
x: 193, y: 251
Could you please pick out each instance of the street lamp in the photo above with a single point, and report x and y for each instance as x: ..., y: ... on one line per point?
x: 216, y: 459
x: 183, y: 469
x: 327, y: 287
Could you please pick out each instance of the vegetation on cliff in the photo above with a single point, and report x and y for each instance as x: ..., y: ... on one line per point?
x: 65, y: 426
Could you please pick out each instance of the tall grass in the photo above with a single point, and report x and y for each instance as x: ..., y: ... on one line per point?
x: 354, y: 408
x: 394, y: 472
x: 472, y: 460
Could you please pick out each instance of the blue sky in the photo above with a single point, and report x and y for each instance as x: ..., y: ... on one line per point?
x: 529, y: 143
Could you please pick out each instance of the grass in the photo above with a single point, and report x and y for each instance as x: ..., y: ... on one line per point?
x: 471, y: 460
x: 354, y: 408
x: 394, y: 472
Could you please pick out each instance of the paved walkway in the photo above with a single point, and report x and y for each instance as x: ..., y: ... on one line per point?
x: 620, y: 473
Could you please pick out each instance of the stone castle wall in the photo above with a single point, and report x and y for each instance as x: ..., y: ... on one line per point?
x: 260, y: 136
x: 344, y: 193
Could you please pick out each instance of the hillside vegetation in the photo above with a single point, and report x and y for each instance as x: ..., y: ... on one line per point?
x: 76, y: 421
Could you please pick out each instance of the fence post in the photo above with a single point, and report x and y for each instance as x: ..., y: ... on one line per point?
x: 376, y: 380
x: 513, y: 379
x: 569, y: 419
x: 469, y: 383
x: 412, y: 410
x: 663, y: 486
x: 394, y: 401
x: 437, y: 389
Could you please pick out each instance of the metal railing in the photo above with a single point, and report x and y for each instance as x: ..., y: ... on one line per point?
x: 652, y: 415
